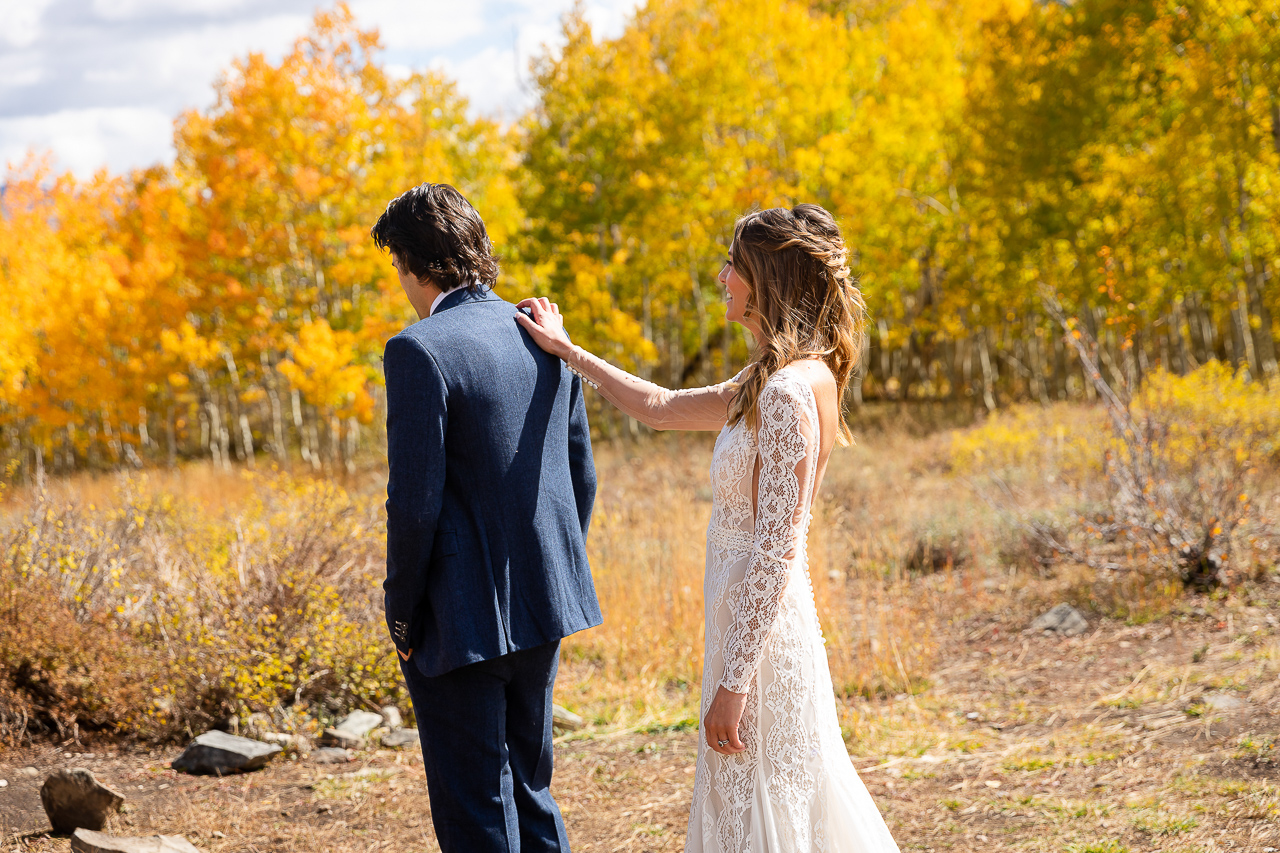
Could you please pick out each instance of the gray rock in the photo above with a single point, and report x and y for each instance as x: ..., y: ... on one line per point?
x: 330, y: 755
x: 397, y: 738
x: 360, y: 723
x: 351, y: 731
x: 73, y: 798
x: 218, y: 753
x: 88, y: 841
x: 1223, y: 702
x: 341, y: 739
x: 1063, y: 619
x: 564, y: 720
x: 29, y: 772
x: 391, y: 717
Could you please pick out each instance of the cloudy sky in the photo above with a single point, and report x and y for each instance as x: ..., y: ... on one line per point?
x: 99, y: 82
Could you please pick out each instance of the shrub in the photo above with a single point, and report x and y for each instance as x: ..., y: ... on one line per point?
x: 153, y: 617
x: 1175, y: 464
x: 1181, y: 463
x: 936, y: 551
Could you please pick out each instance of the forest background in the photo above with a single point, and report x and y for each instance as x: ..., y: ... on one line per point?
x: 1121, y: 155
x: 992, y: 163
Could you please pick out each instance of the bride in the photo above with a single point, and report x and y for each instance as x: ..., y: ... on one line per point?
x: 772, y: 772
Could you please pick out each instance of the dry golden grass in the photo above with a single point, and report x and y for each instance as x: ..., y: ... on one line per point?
x: 971, y: 732
x: 647, y: 548
x: 200, y: 535
x: 901, y: 546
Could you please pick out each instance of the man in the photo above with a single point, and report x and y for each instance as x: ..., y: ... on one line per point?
x: 488, y: 501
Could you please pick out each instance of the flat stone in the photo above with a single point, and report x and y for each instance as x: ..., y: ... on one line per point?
x: 352, y: 731
x: 218, y: 753
x: 29, y: 772
x: 397, y: 738
x: 564, y: 720
x: 88, y: 841
x: 1223, y: 702
x: 342, y: 739
x: 359, y: 723
x: 330, y: 755
x: 74, y: 799
x: 1063, y: 619
x: 391, y: 717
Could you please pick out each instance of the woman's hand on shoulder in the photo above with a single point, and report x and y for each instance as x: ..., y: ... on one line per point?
x: 544, y: 324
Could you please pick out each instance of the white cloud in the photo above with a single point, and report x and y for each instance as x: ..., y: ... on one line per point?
x: 124, y: 10
x: 87, y: 140
x: 99, y: 82
x: 489, y: 81
x: 19, y: 76
x: 423, y: 26
x: 20, y: 21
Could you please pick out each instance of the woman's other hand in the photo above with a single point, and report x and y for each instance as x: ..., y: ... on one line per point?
x: 546, y: 326
x: 720, y: 725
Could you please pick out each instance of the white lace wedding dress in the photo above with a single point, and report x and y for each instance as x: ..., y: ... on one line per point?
x: 794, y: 789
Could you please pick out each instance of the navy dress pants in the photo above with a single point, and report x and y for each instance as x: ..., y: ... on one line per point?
x: 486, y: 746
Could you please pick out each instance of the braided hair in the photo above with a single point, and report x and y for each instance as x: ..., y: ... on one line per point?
x: 805, y: 298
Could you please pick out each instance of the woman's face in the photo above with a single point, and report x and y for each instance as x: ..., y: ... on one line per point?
x: 736, y: 292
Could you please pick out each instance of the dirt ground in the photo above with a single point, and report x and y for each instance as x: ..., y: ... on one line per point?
x: 1156, y: 737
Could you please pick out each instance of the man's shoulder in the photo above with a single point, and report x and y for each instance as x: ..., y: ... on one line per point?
x: 409, y: 339
x: 479, y: 326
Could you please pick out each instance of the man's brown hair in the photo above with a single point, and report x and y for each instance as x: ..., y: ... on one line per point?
x: 435, y: 233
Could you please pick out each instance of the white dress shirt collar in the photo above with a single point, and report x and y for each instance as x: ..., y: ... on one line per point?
x: 435, y: 302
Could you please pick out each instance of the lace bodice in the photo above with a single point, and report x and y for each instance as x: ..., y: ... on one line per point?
x: 786, y: 445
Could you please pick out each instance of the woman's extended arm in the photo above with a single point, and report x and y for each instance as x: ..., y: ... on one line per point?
x: 694, y: 408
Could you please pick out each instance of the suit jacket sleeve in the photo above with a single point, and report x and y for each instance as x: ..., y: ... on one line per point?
x: 582, y: 467
x: 417, y: 415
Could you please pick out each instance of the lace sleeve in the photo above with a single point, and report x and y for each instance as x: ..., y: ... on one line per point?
x: 788, y: 450
x: 691, y: 408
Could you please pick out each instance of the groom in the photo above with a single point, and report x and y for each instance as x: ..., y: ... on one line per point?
x: 488, y: 500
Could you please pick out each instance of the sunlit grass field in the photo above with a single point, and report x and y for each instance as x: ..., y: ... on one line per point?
x: 237, y: 592
x: 185, y: 596
x: 141, y: 608
x: 153, y: 605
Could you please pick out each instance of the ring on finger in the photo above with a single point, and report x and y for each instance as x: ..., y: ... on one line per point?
x: 723, y: 742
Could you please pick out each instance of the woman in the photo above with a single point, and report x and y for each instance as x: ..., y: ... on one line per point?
x: 772, y: 772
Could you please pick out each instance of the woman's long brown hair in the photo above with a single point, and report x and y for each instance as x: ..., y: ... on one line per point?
x: 804, y: 297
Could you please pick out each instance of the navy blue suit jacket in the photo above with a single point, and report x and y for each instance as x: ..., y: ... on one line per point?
x: 490, y: 489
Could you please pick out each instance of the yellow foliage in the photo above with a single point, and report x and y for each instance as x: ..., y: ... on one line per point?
x: 189, y: 347
x: 1212, y: 410
x: 1058, y: 439
x: 953, y: 141
x: 322, y: 365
